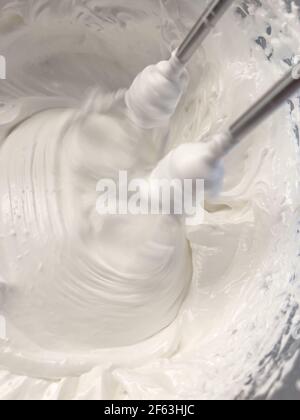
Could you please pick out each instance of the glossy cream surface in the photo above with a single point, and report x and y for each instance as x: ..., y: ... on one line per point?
x: 142, y: 307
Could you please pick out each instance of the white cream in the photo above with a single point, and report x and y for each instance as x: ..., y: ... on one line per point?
x: 155, y: 93
x: 123, y: 276
x: 128, y: 307
x: 197, y: 160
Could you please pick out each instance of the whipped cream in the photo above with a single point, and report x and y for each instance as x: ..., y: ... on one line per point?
x: 155, y: 93
x: 133, y: 307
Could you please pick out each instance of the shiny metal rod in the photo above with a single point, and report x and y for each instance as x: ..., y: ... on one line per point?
x: 262, y: 109
x: 269, y: 103
x: 202, y: 28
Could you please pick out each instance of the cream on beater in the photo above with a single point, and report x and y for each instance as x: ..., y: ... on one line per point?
x: 135, y: 307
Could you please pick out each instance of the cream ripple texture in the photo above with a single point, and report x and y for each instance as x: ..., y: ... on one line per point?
x: 127, y: 308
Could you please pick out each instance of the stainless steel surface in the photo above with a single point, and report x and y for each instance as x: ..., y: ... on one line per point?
x: 262, y: 109
x: 202, y: 28
x: 269, y: 103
